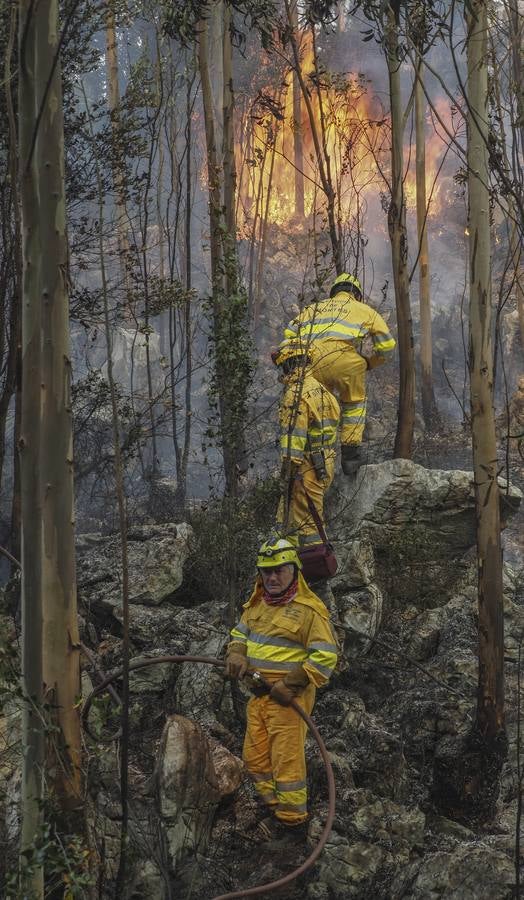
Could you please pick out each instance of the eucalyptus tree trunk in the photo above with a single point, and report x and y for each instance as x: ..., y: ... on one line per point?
x: 490, y: 708
x: 255, y: 231
x: 429, y: 405
x: 61, y: 656
x: 113, y: 98
x: 263, y: 235
x: 298, y: 148
x: 188, y: 337
x: 518, y: 267
x: 229, y: 304
x: 50, y: 655
x: 321, y: 152
x: 122, y: 874
x: 516, y: 21
x: 399, y: 244
x: 33, y: 733
x: 14, y: 275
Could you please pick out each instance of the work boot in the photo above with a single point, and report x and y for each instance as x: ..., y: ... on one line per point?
x: 351, y: 458
x: 272, y: 829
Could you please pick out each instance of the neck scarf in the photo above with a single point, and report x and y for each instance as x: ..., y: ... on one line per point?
x: 282, y: 599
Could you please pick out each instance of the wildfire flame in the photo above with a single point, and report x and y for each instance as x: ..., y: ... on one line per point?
x: 354, y: 131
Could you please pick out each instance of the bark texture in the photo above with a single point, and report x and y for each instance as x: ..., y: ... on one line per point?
x: 29, y: 447
x: 61, y: 656
x: 490, y: 711
x: 399, y: 246
x: 429, y: 406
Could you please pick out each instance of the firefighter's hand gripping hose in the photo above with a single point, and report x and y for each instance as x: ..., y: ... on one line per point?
x: 317, y: 850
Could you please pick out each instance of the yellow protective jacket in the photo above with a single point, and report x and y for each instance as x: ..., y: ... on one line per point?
x: 309, y: 416
x: 342, y: 318
x: 278, y: 639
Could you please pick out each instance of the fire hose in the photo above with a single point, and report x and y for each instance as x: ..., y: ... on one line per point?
x: 317, y: 850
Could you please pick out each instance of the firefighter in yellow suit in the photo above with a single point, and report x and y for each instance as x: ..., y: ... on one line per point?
x: 334, y: 330
x: 285, y: 634
x: 309, y: 416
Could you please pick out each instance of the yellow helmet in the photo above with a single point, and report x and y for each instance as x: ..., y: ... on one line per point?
x: 349, y: 283
x: 289, y: 350
x: 277, y: 552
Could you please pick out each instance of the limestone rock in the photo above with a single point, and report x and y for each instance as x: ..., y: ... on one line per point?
x: 229, y: 769
x: 187, y: 785
x: 157, y: 554
x: 471, y: 872
x: 403, y: 532
x: 349, y: 869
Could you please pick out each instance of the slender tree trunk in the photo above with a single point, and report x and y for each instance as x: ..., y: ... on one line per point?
x: 12, y: 374
x: 515, y: 232
x: 429, y: 406
x: 263, y: 235
x: 163, y: 318
x: 215, y: 178
x: 467, y: 771
x: 61, y: 657
x: 228, y: 152
x: 122, y: 874
x: 253, y: 239
x: 188, y: 336
x: 516, y: 23
x: 490, y: 709
x: 32, y: 872
x: 297, y: 127
x: 516, y: 252
x: 399, y: 246
x: 229, y: 309
x: 16, y: 502
x: 322, y: 157
x: 113, y: 97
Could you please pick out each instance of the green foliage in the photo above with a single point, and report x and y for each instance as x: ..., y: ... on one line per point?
x: 9, y: 665
x: 232, y: 353
x: 165, y: 294
x: 65, y: 857
x: 66, y: 861
x: 411, y: 572
x: 229, y: 529
x: 93, y: 427
x: 181, y: 19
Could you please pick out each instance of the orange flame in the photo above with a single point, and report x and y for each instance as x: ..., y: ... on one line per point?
x: 354, y: 131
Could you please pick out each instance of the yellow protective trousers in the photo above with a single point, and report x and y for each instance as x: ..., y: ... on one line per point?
x: 274, y: 754
x: 301, y: 528
x: 341, y: 370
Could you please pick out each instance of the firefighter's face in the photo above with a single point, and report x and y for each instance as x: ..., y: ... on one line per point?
x: 277, y: 579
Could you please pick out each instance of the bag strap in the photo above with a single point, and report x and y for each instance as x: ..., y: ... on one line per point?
x: 314, y: 514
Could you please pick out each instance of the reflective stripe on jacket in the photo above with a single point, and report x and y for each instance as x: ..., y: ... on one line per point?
x: 309, y: 416
x: 341, y: 317
x: 277, y: 639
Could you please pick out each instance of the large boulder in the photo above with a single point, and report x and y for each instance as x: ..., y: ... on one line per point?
x: 189, y: 787
x: 473, y: 871
x: 371, y: 837
x: 403, y: 532
x: 156, y: 557
x: 406, y: 593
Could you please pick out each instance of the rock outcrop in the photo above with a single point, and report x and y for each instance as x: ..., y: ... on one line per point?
x: 405, y: 597
x: 156, y: 557
x: 402, y: 532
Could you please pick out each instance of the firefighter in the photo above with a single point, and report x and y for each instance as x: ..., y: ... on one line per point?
x: 309, y: 416
x: 335, y: 329
x: 285, y: 634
